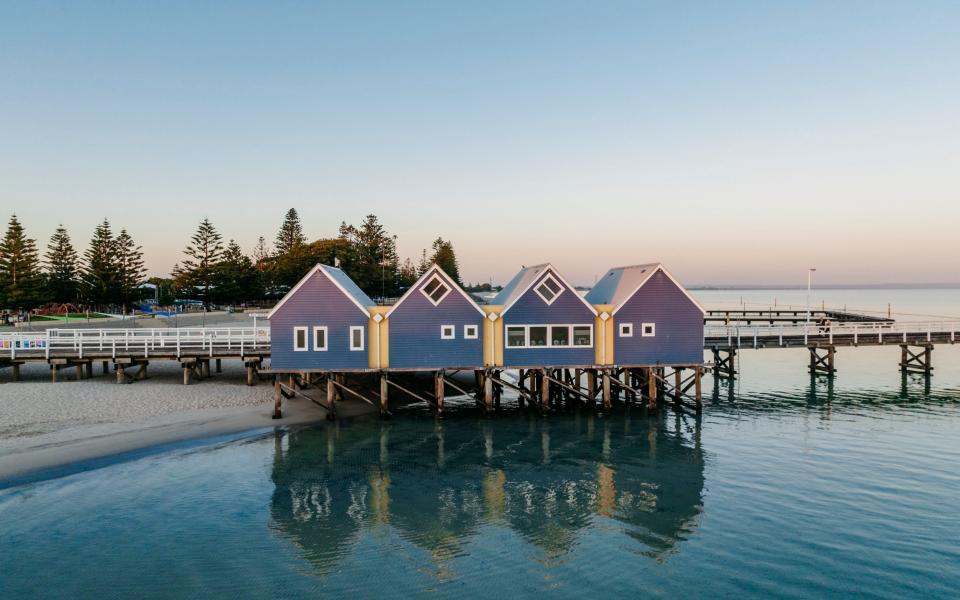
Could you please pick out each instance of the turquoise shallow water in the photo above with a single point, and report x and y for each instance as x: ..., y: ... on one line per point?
x: 785, y: 487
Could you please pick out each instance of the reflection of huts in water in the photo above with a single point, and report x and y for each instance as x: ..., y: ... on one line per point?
x: 435, y: 484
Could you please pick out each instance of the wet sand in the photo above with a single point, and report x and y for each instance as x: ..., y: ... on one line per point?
x: 45, y: 425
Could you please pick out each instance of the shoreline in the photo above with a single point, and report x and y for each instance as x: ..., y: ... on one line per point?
x: 50, y: 455
x: 50, y: 430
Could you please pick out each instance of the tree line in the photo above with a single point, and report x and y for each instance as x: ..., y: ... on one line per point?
x: 111, y: 270
x: 108, y: 273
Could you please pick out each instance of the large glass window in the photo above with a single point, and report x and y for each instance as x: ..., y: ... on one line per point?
x: 538, y: 336
x: 516, y: 337
x: 560, y: 335
x: 582, y: 335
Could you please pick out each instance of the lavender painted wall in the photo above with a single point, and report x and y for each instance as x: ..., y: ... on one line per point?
x: 415, y: 332
x: 530, y: 309
x: 679, y: 326
x: 318, y: 302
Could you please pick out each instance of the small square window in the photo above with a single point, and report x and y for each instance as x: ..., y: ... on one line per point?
x: 447, y: 332
x: 435, y: 290
x: 471, y: 332
x: 356, y: 338
x: 648, y: 329
x: 320, y: 339
x: 549, y: 289
x: 626, y: 329
x: 300, y: 339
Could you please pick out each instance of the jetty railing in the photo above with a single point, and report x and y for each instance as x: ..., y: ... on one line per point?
x: 786, y: 334
x: 136, y: 341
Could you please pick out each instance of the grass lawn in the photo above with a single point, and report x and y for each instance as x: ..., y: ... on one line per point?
x: 72, y: 317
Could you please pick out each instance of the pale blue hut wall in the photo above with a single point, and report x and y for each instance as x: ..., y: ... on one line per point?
x: 530, y: 309
x: 415, y: 332
x: 318, y: 302
x: 679, y: 326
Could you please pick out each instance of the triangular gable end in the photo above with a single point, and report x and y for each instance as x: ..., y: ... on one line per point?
x: 428, y: 274
x: 549, y: 270
x: 311, y: 273
x: 653, y: 272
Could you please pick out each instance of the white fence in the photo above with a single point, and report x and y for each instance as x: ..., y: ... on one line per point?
x: 747, y: 335
x: 135, y: 341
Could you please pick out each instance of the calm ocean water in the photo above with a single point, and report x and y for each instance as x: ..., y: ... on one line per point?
x: 785, y: 487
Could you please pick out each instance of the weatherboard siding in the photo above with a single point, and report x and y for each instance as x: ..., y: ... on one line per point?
x: 414, y: 338
x: 679, y: 326
x: 530, y: 309
x: 318, y: 302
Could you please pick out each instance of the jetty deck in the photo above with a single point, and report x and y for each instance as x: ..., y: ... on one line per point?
x: 130, y: 350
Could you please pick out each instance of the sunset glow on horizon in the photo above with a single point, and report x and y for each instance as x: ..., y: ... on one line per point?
x: 736, y: 143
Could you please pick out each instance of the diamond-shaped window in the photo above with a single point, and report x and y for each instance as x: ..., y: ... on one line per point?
x: 435, y: 290
x: 549, y: 289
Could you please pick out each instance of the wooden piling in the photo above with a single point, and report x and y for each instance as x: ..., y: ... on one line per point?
x: 331, y: 395
x: 699, y: 389
x: 384, y: 390
x: 544, y: 391
x: 606, y: 390
x: 121, y: 375
x: 277, y: 396
x: 487, y: 392
x: 438, y: 388
x: 651, y: 390
x: 592, y: 386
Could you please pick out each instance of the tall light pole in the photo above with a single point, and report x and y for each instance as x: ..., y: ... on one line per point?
x: 810, y: 273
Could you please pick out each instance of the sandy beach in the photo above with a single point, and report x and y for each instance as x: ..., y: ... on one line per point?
x: 45, y: 425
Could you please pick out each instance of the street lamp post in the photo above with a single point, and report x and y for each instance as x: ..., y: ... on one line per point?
x: 810, y: 273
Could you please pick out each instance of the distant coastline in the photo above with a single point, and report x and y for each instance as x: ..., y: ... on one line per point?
x: 843, y: 286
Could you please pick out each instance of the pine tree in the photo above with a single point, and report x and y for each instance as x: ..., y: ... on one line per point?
x: 199, y: 271
x: 63, y: 271
x: 237, y: 278
x: 290, y: 235
x: 130, y: 269
x: 446, y: 258
x: 20, y: 279
x: 424, y: 265
x: 371, y: 257
x: 99, y: 276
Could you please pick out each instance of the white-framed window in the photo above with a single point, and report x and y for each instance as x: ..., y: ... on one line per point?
x: 435, y: 290
x: 448, y: 332
x: 300, y: 340
x: 516, y: 336
x: 548, y: 289
x: 471, y: 332
x: 648, y: 329
x: 356, y: 337
x: 626, y: 329
x: 549, y: 336
x: 320, y: 339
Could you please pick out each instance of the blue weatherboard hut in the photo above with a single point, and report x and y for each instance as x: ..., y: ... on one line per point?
x: 435, y: 325
x: 546, y: 321
x: 321, y: 323
x: 655, y: 320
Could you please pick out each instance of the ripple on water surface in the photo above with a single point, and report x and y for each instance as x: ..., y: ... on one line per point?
x: 790, y: 488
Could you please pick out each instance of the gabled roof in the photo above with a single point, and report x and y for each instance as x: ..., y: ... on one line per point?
x: 619, y: 284
x: 524, y: 280
x: 435, y: 269
x: 340, y: 279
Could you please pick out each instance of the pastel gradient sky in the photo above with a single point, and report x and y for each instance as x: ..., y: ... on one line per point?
x: 737, y: 142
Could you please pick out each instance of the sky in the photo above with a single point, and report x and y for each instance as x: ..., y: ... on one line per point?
x: 736, y: 142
